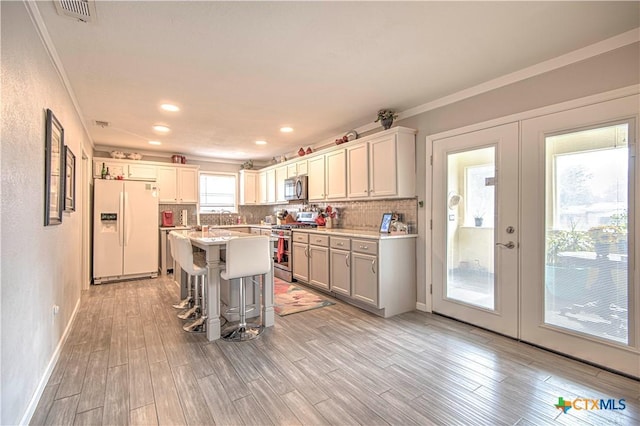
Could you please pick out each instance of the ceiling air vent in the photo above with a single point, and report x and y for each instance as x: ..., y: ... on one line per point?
x: 101, y: 123
x: 84, y: 10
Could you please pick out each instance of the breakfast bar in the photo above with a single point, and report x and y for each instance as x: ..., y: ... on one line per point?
x: 213, y: 243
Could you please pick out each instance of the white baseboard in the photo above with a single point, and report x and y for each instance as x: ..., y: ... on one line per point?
x: 33, y: 404
x: 422, y: 307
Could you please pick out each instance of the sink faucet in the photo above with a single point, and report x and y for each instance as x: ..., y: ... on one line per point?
x: 220, y: 213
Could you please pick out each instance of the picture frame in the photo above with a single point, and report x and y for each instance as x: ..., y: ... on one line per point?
x: 70, y: 180
x: 385, y: 224
x: 53, y: 166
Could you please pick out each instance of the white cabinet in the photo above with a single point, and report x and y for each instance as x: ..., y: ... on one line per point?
x: 178, y: 185
x: 302, y: 167
x: 340, y: 265
x: 364, y: 258
x: 128, y: 169
x: 271, y: 186
x: 383, y: 166
x: 292, y: 170
x: 319, y: 261
x: 335, y: 175
x: 281, y: 175
x: 300, y: 258
x: 262, y: 188
x: 327, y: 176
x: 315, y: 182
x: 248, y: 187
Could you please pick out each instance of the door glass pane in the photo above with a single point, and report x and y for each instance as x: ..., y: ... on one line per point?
x: 470, y: 234
x: 586, y: 183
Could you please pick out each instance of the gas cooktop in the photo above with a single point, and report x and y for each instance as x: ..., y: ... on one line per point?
x: 296, y: 225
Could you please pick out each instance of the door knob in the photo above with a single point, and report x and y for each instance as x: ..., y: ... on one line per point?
x: 509, y: 245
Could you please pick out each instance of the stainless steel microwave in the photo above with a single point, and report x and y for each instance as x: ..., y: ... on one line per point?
x: 295, y: 188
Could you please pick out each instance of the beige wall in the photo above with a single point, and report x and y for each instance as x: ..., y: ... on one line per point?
x: 41, y: 265
x: 611, y: 70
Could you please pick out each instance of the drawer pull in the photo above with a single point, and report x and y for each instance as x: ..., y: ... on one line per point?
x: 340, y: 244
x: 364, y: 247
x: 318, y: 241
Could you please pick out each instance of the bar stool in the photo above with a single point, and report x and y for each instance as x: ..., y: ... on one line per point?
x: 197, y: 272
x: 187, y: 302
x: 246, y: 258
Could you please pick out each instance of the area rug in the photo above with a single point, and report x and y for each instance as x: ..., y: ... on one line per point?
x: 289, y: 299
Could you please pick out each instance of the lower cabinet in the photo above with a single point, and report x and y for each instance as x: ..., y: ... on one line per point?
x: 340, y: 271
x: 319, y: 266
x: 300, y: 262
x: 365, y: 278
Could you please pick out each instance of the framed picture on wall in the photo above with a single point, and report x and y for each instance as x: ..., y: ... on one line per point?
x: 69, y: 181
x: 53, y: 168
x: 386, y: 222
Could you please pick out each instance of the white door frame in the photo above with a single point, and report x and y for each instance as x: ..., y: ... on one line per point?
x: 85, y: 188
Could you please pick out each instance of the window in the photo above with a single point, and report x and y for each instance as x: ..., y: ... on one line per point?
x: 218, y: 192
x: 480, y: 195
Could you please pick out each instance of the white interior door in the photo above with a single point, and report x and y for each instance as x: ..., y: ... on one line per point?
x: 578, y: 241
x: 475, y: 228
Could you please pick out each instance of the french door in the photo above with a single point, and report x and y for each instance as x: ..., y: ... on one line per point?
x: 578, y: 233
x: 475, y: 229
x: 534, y: 231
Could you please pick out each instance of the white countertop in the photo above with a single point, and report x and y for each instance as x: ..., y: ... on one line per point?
x: 174, y: 228
x: 215, y: 237
x: 357, y: 233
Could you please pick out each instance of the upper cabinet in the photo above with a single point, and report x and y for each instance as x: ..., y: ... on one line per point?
x: 262, y: 187
x: 271, y: 186
x: 249, y: 192
x: 178, y: 185
x: 383, y: 166
x: 281, y: 175
x: 327, y: 176
x: 131, y: 170
x: 315, y: 182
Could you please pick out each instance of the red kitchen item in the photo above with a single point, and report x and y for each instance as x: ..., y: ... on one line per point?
x: 309, y: 151
x: 320, y: 221
x: 280, y: 246
x: 301, y: 152
x: 167, y: 218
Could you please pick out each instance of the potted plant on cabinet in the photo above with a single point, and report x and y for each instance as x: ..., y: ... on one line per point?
x: 386, y: 117
x: 478, y: 218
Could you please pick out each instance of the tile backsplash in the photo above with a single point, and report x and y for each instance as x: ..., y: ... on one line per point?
x: 364, y: 215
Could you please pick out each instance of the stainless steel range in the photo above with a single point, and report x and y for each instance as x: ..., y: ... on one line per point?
x: 282, y: 261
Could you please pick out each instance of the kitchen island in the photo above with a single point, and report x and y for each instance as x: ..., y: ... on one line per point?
x: 214, y: 243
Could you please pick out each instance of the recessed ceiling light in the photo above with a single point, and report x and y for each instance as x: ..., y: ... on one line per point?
x: 155, y: 143
x: 261, y: 142
x: 161, y: 128
x: 286, y: 129
x: 170, y: 107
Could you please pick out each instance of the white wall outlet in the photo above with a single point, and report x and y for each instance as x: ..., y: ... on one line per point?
x: 55, y: 310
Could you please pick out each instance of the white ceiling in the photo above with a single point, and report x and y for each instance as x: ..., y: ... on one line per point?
x: 241, y: 70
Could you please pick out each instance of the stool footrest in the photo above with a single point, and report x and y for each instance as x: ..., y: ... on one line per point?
x: 191, y: 313
x: 184, y: 303
x: 242, y: 334
x: 197, y: 326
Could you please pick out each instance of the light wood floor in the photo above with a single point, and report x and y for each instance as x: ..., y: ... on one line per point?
x: 127, y: 361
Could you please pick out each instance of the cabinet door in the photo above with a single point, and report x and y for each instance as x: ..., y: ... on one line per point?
x: 262, y: 188
x: 300, y: 260
x: 188, y: 185
x: 167, y: 185
x: 115, y: 169
x: 271, y: 186
x: 142, y: 172
x: 292, y: 170
x: 382, y: 167
x: 315, y: 183
x: 281, y: 175
x: 319, y: 266
x: 340, y: 272
x: 302, y: 167
x: 336, y: 175
x: 364, y: 280
x: 255, y: 231
x: 248, y: 188
x: 357, y: 171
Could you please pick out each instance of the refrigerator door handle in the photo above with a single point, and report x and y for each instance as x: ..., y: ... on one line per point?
x: 121, y: 219
x: 127, y: 222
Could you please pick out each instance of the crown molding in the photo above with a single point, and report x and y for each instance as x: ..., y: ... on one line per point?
x: 43, y: 33
x: 604, y: 46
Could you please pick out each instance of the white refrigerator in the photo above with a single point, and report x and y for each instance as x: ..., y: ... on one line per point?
x: 125, y: 230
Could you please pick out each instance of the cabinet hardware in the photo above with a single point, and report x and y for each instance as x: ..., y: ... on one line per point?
x: 347, y: 261
x: 340, y: 244
x: 373, y: 266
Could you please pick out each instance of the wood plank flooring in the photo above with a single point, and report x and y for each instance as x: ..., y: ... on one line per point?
x: 127, y: 361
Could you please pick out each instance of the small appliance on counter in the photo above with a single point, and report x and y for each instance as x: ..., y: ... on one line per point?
x: 167, y: 218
